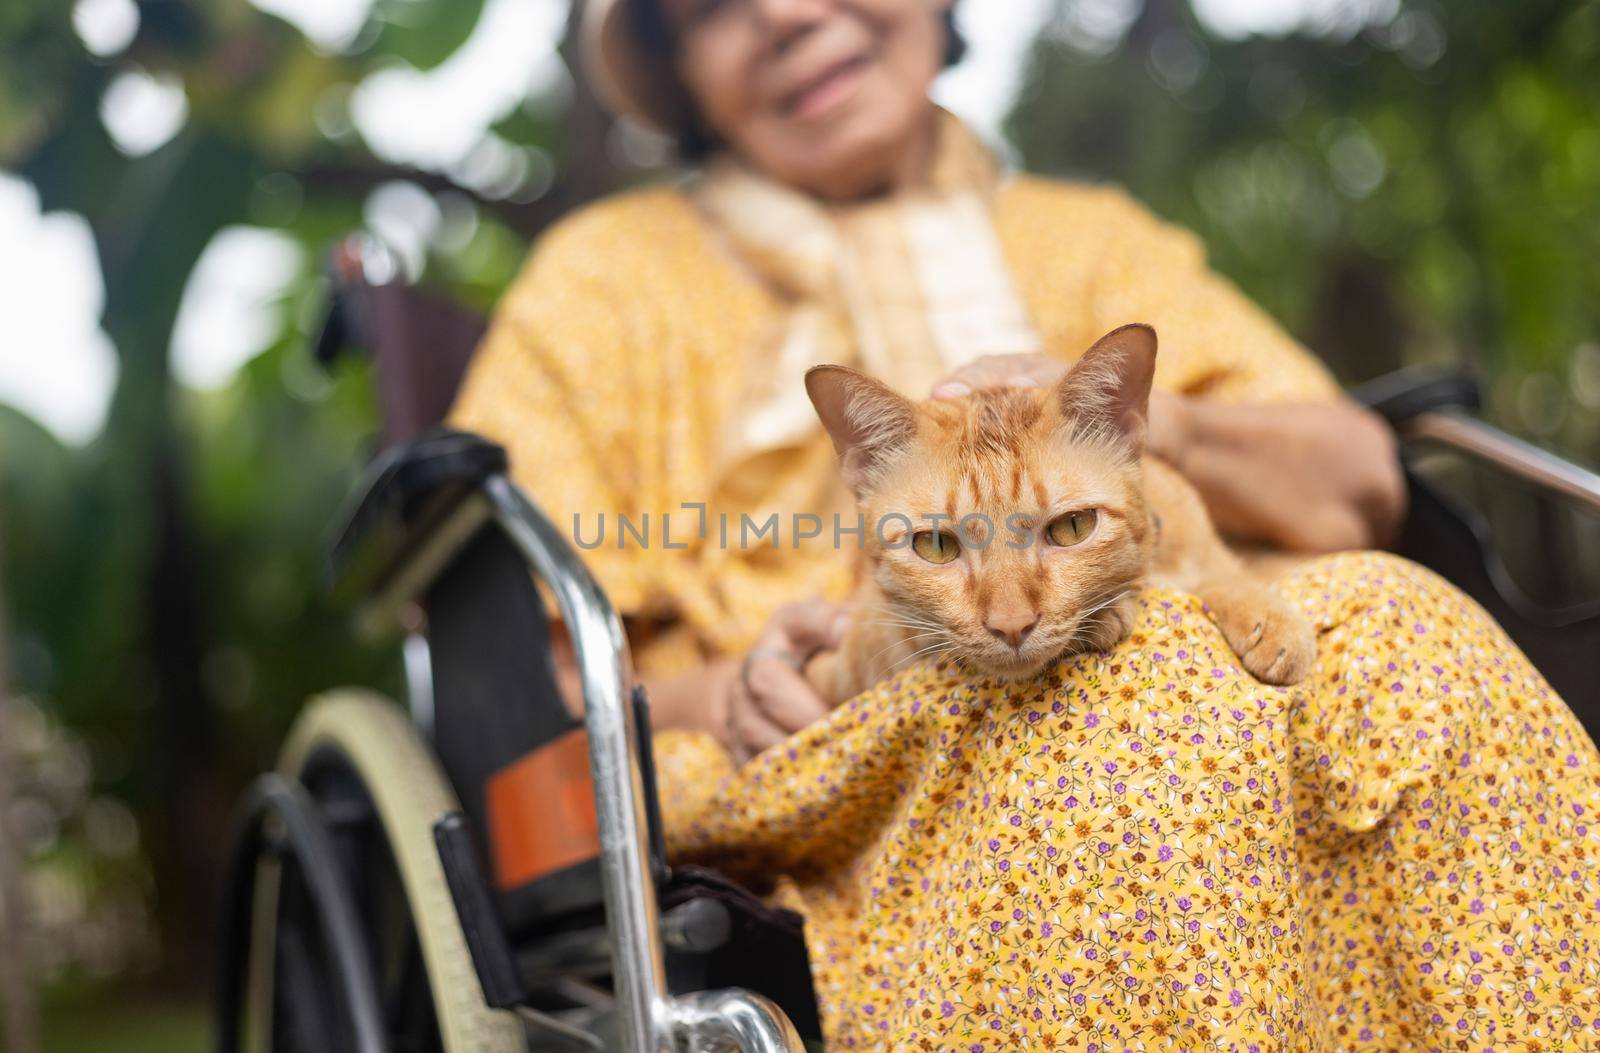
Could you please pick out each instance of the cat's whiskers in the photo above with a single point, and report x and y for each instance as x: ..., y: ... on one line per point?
x: 902, y: 618
x: 1094, y: 620
x: 944, y: 641
x: 905, y: 624
x: 914, y: 655
x: 1092, y: 630
x: 886, y: 607
x: 905, y: 640
x: 916, y: 628
x: 1116, y: 596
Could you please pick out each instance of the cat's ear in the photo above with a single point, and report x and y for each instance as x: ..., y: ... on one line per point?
x: 1106, y: 393
x: 865, y: 418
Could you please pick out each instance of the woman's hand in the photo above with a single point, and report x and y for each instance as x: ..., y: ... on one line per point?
x: 766, y: 698
x: 1168, y: 419
x: 1001, y: 371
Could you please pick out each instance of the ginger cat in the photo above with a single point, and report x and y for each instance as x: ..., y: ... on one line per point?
x: 1065, y: 519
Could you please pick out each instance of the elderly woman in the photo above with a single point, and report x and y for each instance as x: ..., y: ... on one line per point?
x: 1145, y: 849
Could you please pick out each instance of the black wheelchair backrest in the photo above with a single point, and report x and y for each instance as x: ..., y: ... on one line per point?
x: 420, y: 343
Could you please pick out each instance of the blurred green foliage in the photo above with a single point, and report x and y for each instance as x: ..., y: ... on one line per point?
x: 164, y: 582
x: 1421, y: 189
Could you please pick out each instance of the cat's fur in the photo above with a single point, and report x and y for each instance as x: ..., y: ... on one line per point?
x: 1009, y: 611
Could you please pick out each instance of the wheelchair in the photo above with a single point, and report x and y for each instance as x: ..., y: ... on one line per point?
x: 480, y: 870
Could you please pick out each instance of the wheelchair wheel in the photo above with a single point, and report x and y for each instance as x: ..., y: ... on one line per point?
x: 380, y: 790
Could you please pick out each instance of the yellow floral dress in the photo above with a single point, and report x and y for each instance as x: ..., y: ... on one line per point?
x: 1151, y: 850
x: 1145, y: 849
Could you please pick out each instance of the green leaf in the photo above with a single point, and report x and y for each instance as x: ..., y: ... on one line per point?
x: 425, y: 32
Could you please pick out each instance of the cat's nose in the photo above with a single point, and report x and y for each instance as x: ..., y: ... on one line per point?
x: 1012, y: 626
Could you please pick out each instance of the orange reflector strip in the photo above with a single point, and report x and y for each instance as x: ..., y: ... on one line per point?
x: 541, y: 812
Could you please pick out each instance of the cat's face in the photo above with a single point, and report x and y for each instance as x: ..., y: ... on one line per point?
x: 1017, y: 542
x: 1009, y: 526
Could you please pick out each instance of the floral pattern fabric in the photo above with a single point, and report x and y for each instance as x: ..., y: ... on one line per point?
x: 1149, y: 850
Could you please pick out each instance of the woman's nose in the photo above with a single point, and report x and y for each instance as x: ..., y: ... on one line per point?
x: 784, y: 17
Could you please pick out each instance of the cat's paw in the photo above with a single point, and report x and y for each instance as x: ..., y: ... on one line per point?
x: 1275, y: 644
x: 1280, y: 649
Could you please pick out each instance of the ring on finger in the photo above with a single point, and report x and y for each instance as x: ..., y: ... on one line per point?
x: 777, y: 654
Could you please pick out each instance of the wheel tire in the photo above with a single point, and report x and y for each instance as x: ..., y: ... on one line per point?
x: 409, y: 793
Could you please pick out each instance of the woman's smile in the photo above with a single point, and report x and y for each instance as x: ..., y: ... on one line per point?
x: 824, y: 93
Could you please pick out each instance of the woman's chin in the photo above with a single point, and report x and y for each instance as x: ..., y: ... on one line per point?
x: 852, y: 175
x: 854, y: 153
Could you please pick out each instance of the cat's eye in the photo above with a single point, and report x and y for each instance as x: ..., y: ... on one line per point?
x: 935, y: 546
x: 1072, y: 527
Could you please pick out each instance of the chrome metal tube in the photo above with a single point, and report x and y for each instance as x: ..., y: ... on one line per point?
x: 605, y: 671
x: 418, y: 664
x: 647, y: 1019
x: 1461, y: 431
x: 722, y: 1020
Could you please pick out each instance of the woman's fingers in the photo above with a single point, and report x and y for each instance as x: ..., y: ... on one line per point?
x: 784, y: 696
x: 976, y: 375
x: 998, y: 371
x: 750, y: 730
x: 952, y: 389
x: 771, y: 698
x: 802, y: 629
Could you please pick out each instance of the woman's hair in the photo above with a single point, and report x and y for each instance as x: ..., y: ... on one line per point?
x: 653, y: 32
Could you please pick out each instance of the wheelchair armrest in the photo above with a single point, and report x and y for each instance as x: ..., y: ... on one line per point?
x: 1427, y: 407
x: 1408, y: 393
x: 1464, y: 434
x: 406, y: 493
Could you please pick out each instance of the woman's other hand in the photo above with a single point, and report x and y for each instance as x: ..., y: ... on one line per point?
x: 766, y: 698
